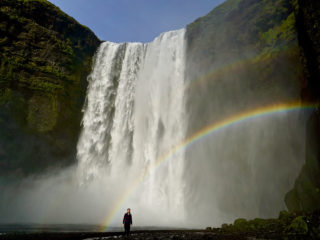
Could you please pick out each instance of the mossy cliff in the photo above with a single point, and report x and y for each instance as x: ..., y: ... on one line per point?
x: 251, y: 43
x: 243, y: 55
x: 253, y: 52
x: 45, y: 57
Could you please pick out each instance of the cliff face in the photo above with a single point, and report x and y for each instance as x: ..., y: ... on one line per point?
x: 306, y: 192
x: 45, y: 57
x: 248, y: 53
x: 275, y: 46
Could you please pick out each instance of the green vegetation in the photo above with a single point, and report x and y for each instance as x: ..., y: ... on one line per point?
x: 298, y: 226
x: 256, y: 51
x: 240, y: 47
x: 280, y: 36
x: 250, y: 41
x: 286, y: 226
x: 45, y: 57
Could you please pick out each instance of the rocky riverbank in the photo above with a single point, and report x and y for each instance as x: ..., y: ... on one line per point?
x: 152, y: 234
x: 286, y: 226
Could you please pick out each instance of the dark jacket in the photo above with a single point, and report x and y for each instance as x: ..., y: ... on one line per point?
x: 127, y: 218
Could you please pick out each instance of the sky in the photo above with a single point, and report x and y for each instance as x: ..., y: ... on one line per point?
x: 135, y: 20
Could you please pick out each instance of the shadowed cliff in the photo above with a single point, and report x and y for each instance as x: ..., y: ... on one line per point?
x: 244, y: 55
x: 305, y: 196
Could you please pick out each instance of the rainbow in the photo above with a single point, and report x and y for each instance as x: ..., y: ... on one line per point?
x: 208, y: 130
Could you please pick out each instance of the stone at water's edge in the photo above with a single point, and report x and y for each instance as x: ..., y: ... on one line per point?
x: 45, y: 57
x: 286, y: 226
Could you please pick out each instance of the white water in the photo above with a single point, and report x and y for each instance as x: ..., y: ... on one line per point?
x: 134, y: 114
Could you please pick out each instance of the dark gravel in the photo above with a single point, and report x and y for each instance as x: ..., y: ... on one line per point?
x: 135, y: 235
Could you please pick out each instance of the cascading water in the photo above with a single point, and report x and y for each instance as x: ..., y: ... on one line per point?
x: 141, y: 103
x: 134, y: 114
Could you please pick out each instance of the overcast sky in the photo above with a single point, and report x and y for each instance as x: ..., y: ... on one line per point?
x: 135, y: 20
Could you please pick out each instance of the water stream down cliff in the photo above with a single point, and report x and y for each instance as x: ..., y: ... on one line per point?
x: 134, y: 114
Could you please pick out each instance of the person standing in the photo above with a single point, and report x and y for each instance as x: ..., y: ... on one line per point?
x: 127, y: 222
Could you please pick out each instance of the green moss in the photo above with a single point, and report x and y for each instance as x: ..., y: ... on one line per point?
x: 280, y: 34
x: 45, y: 57
x: 43, y: 113
x: 241, y: 224
x: 284, y: 216
x: 295, y: 5
x: 227, y: 227
x: 258, y: 224
x: 13, y: 103
x: 298, y: 226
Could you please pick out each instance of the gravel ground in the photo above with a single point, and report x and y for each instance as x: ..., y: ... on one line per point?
x: 135, y: 235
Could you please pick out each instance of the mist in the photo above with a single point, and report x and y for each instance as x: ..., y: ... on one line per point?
x: 59, y: 198
x: 240, y: 171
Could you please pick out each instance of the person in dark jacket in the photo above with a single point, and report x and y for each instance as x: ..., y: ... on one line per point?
x: 127, y: 222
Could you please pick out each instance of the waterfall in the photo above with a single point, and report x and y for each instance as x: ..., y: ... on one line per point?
x: 134, y: 114
x: 142, y: 102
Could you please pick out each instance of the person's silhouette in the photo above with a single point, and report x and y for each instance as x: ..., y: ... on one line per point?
x: 127, y: 222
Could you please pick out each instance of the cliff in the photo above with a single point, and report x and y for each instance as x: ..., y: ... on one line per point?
x: 45, y: 59
x: 305, y: 196
x: 272, y: 48
x: 252, y: 43
x: 243, y: 55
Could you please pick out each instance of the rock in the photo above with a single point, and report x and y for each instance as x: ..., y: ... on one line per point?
x: 306, y: 192
x: 306, y: 195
